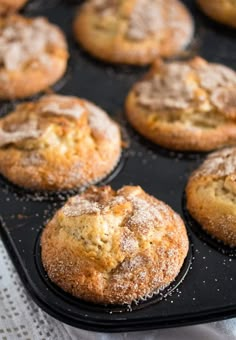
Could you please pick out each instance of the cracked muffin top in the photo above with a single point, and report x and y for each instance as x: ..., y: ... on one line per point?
x: 110, y: 246
x: 33, y: 55
x: 135, y: 31
x: 58, y: 142
x: 191, y: 101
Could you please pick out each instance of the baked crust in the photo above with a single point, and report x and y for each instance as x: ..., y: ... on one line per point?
x: 134, y: 31
x: 223, y: 11
x: 9, y: 6
x: 211, y: 194
x: 58, y: 143
x: 185, y: 105
x: 33, y: 56
x: 114, y: 247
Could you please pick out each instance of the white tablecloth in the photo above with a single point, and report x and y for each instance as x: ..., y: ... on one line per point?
x: 21, y: 319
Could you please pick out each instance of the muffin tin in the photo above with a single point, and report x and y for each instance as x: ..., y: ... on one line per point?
x: 206, y: 293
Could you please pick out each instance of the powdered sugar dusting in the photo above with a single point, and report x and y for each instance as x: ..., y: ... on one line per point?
x: 221, y: 163
x: 132, y: 263
x: 129, y: 244
x: 22, y: 42
x: 117, y: 200
x: 213, y: 76
x: 24, y: 131
x: 145, y: 211
x: 225, y: 100
x: 101, y: 125
x: 168, y: 89
x: 146, y: 214
x: 74, y: 111
x: 100, y: 122
x: 156, y: 17
x: 181, y: 28
x: 176, y: 84
x: 62, y: 105
x: 146, y: 18
x: 105, y: 7
x: 78, y: 206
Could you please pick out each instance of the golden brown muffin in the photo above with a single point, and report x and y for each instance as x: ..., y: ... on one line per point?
x: 134, y: 31
x: 108, y: 246
x: 58, y: 143
x: 223, y: 11
x: 8, y: 6
x: 185, y: 105
x: 211, y: 195
x: 33, y: 56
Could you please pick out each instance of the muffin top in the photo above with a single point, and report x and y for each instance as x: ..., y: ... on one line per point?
x: 196, y: 85
x: 134, y: 31
x: 56, y: 142
x: 110, y: 226
x: 219, y: 164
x: 219, y: 169
x: 41, y: 119
x: 114, y: 246
x: 145, y: 18
x: 210, y: 193
x: 25, y: 42
x: 185, y: 105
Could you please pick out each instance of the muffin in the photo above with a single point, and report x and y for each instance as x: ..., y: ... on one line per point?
x: 8, y: 6
x: 185, y: 105
x: 114, y: 247
x: 211, y: 195
x: 58, y: 143
x: 134, y: 31
x: 223, y: 11
x: 33, y: 56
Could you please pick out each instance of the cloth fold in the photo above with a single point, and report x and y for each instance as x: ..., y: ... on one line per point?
x: 20, y: 318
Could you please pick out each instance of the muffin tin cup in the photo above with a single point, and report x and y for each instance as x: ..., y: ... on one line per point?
x: 162, y: 151
x: 207, y: 283
x: 147, y: 301
x: 203, y: 235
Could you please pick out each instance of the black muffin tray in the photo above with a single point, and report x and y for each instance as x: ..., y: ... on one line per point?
x: 205, y: 288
